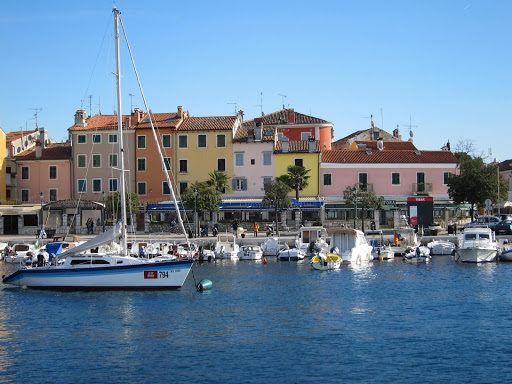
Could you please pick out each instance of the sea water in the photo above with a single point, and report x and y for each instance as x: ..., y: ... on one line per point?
x: 280, y: 322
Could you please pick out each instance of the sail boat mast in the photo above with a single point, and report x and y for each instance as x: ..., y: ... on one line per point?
x: 120, y: 132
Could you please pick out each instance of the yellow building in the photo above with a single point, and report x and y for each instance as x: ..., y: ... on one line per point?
x: 203, y: 145
x: 3, y: 153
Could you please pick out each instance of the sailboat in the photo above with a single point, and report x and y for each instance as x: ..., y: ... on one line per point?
x: 78, y: 269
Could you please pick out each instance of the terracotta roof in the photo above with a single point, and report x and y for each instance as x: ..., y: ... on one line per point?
x: 297, y: 146
x: 99, y: 122
x: 390, y: 145
x: 281, y: 117
x: 397, y: 157
x: 160, y: 120
x: 209, y: 123
x: 58, y: 151
x: 11, y: 136
x: 505, y: 165
x: 242, y: 133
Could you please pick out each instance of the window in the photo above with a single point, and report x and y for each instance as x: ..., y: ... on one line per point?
x: 239, y: 184
x: 280, y: 136
x: 221, y: 165
x: 81, y: 161
x: 239, y: 159
x: 141, y: 188
x: 183, y: 166
x: 165, y: 188
x: 363, y: 181
x: 96, y: 185
x: 166, y: 141
x: 141, y: 164
x: 253, y: 161
x: 395, y: 178
x: 82, y: 185
x: 96, y: 139
x: 305, y: 135
x: 141, y: 142
x: 112, y: 160
x: 24, y: 173
x: 327, y: 179
x: 183, y: 187
x: 96, y: 161
x: 201, y: 141
x: 168, y: 163
x: 24, y: 195
x: 112, y: 185
x: 266, y: 179
x: 420, y: 179
x: 446, y: 177
x: 81, y: 139
x: 53, y: 172
x: 112, y: 138
x: 53, y: 195
x: 182, y: 141
x: 299, y: 162
x: 267, y: 158
x: 221, y: 141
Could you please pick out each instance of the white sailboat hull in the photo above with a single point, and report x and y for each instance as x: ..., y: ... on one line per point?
x: 141, y: 275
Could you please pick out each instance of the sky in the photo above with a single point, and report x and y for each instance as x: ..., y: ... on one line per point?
x: 441, y: 69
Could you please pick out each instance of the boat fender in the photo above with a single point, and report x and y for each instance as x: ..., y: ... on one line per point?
x: 264, y: 260
x: 204, y: 285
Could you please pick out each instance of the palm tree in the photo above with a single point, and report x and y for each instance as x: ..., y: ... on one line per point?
x: 296, y: 178
x: 219, y: 180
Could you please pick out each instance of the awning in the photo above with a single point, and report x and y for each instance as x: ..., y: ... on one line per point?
x: 8, y: 210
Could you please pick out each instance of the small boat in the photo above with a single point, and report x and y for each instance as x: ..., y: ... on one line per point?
x: 351, y: 245
x: 270, y: 246
x: 292, y: 254
x: 380, y: 250
x: 312, y: 240
x: 477, y: 245
x: 250, y: 252
x: 417, y: 255
x: 441, y: 247
x: 226, y: 247
x: 21, y: 253
x: 326, y: 261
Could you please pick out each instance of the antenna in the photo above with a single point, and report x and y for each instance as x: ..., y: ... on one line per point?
x: 260, y: 104
x: 283, y: 97
x: 131, y: 102
x: 235, y: 106
x: 410, y: 126
x: 99, y: 105
x: 37, y: 110
x: 381, y: 119
x: 90, y: 105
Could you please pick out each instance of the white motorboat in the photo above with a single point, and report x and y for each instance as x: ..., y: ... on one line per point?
x: 477, y: 245
x: 226, y: 247
x: 351, y: 245
x: 250, y: 252
x: 117, y: 270
x: 326, y: 261
x: 417, y: 255
x: 380, y: 250
x: 292, y: 254
x: 312, y: 240
x: 271, y: 246
x: 21, y: 253
x: 441, y: 247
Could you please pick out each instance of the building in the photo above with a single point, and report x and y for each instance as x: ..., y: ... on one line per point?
x: 368, y: 136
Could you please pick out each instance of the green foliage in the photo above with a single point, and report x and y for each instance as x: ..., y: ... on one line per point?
x: 276, y: 195
x: 363, y: 199
x: 208, y: 197
x: 113, y: 204
x: 219, y: 180
x: 296, y: 178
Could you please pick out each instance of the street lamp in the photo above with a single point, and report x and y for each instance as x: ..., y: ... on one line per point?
x: 195, y: 212
x: 103, y: 210
x: 41, y: 195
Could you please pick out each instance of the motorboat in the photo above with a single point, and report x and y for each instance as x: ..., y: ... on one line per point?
x: 312, y: 240
x: 477, y: 245
x: 21, y: 253
x: 116, y: 270
x: 441, y: 247
x: 417, y: 255
x: 271, y: 246
x: 326, y: 261
x: 226, y: 247
x: 250, y: 252
x: 380, y: 250
x: 351, y: 245
x: 403, y: 238
x: 292, y: 254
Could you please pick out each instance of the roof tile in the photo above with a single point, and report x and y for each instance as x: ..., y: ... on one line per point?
x: 396, y: 157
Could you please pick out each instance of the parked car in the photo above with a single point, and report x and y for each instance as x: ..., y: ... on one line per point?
x: 488, y: 221
x: 504, y: 226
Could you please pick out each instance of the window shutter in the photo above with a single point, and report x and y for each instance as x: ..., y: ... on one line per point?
x: 234, y: 184
x: 244, y: 186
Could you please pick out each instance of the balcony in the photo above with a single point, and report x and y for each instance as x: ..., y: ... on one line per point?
x: 422, y: 189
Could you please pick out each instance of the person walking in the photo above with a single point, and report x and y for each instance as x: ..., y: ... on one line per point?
x: 256, y: 228
x: 235, y: 229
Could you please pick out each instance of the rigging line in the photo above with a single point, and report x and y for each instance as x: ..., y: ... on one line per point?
x: 154, y: 134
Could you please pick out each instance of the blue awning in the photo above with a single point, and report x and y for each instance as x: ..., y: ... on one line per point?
x: 239, y: 205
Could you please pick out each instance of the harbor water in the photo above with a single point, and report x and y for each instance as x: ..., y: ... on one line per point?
x: 280, y: 322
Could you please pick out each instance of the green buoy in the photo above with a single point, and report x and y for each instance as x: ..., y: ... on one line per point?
x: 204, y: 285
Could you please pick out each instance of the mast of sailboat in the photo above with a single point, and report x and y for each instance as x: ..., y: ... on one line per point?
x: 120, y: 132
x: 180, y: 220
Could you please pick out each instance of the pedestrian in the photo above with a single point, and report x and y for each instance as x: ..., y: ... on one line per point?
x: 235, y: 228
x: 88, y: 225
x: 256, y: 228
x: 92, y: 226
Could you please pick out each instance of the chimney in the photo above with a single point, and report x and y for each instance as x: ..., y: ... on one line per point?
x: 80, y: 117
x: 285, y: 142
x: 39, y: 149
x: 291, y: 116
x: 136, y: 117
x: 380, y: 144
x: 180, y: 112
x: 396, y: 133
x: 126, y: 122
x: 258, y: 129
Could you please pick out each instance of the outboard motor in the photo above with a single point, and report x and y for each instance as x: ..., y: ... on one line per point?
x: 311, y: 247
x: 40, y: 260
x: 29, y: 259
x: 52, y: 259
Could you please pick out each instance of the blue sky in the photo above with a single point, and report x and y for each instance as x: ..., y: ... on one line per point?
x: 442, y: 66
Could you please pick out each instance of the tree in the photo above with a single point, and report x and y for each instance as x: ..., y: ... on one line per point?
x: 276, y: 195
x: 113, y: 204
x: 476, y: 182
x: 296, y: 178
x: 364, y: 199
x: 219, y: 180
x: 208, y: 197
